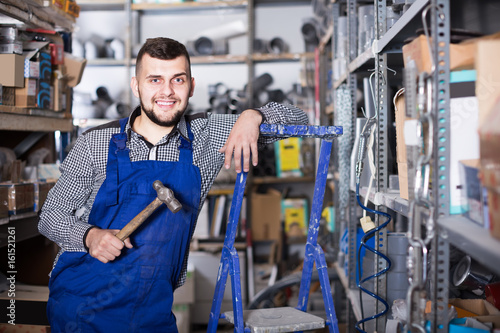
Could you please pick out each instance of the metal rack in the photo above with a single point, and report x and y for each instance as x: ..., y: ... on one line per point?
x: 135, y: 11
x: 451, y: 230
x: 37, y: 15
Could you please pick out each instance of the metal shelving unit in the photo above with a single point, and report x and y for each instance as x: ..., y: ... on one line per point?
x: 141, y: 9
x: 457, y: 230
x: 34, y: 14
x: 450, y: 230
x: 38, y: 14
x: 42, y: 15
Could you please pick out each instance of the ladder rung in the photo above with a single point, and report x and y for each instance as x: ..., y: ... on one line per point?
x: 273, y: 320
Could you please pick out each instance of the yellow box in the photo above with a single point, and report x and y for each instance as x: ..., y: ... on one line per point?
x: 72, y: 8
x: 61, y: 4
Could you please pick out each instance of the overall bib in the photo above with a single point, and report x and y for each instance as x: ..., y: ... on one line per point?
x: 133, y: 293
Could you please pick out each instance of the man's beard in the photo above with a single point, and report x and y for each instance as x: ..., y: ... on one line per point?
x: 152, y: 116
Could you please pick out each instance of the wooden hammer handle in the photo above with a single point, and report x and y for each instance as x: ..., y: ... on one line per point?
x: 138, y: 220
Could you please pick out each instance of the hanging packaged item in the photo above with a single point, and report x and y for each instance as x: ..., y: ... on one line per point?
x: 288, y: 157
x: 295, y: 214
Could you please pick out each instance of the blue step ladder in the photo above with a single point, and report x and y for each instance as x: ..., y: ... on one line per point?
x: 286, y: 319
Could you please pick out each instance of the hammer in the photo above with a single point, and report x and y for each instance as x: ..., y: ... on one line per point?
x: 164, y: 195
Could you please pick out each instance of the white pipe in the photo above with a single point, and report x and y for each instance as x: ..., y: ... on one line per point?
x: 225, y: 31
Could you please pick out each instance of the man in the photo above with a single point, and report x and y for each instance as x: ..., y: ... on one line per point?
x: 99, y: 283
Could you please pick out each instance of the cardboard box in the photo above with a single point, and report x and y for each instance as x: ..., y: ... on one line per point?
x: 473, y: 307
x: 26, y: 97
x: 462, y: 55
x: 74, y: 67
x: 464, y: 138
x: 20, y: 197
x: 464, y: 141
x: 185, y: 293
x: 8, y: 96
x: 473, y: 191
x: 44, y: 95
x: 45, y: 61
x: 266, y: 215
x: 58, y: 91
x: 182, y: 314
x: 4, y: 202
x: 488, y: 72
x: 37, y: 53
x: 31, y: 65
x: 401, y: 155
x: 12, y: 70
x: 489, y: 133
x: 41, y: 190
x: 206, y: 266
x: 15, y: 47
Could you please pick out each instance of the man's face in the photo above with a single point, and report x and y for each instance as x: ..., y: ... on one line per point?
x: 163, y: 88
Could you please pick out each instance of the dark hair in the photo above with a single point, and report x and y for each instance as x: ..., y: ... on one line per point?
x: 162, y: 48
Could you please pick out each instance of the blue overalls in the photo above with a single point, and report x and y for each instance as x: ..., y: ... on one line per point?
x: 133, y: 293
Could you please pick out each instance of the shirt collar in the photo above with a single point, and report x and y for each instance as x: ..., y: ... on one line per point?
x: 180, y: 128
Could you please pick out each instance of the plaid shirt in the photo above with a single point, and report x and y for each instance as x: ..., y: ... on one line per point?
x: 64, y: 216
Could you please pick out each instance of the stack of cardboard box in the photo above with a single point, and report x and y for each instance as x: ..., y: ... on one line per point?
x: 41, y: 76
x: 474, y: 136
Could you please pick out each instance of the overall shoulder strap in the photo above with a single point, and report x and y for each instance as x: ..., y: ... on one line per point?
x: 117, y: 150
x: 186, y: 147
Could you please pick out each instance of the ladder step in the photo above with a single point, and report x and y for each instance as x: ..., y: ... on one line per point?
x: 274, y: 320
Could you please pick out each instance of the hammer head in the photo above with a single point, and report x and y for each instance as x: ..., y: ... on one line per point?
x: 166, y: 195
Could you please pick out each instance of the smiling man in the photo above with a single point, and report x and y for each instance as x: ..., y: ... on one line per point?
x: 99, y: 283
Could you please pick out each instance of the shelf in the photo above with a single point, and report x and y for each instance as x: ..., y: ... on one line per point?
x: 90, y: 5
x: 106, y: 62
x: 219, y: 59
x: 392, y: 40
x: 33, y: 120
x: 353, y: 295
x: 34, y: 13
x: 190, y: 5
x: 276, y: 180
x: 364, y: 61
x: 218, y: 189
x: 391, y: 200
x: 268, y: 57
x: 213, y: 245
x: 406, y: 26
x: 216, y: 59
x: 90, y: 122
x: 25, y: 227
x: 472, y: 239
